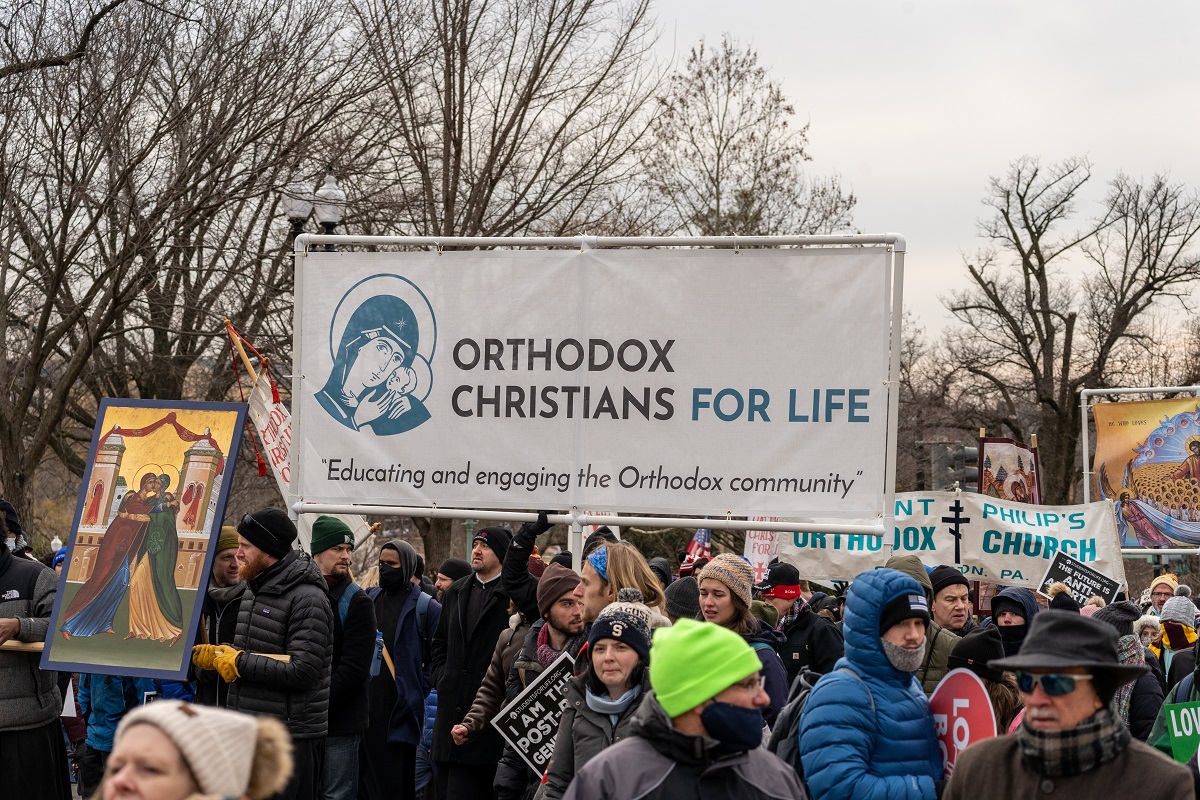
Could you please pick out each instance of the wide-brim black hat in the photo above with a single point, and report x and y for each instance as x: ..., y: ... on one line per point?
x: 1058, y: 639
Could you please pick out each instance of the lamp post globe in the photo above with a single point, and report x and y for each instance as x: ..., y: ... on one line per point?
x: 297, y: 202
x: 330, y: 206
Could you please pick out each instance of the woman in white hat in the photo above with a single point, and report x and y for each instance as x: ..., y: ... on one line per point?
x: 169, y: 750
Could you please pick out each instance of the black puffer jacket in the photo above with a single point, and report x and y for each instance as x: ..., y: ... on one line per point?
x: 657, y: 762
x: 813, y: 642
x: 286, y: 610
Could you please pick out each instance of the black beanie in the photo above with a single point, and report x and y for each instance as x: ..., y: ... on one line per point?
x: 497, y: 538
x: 1120, y: 615
x: 598, y: 538
x: 941, y: 577
x: 1064, y: 602
x: 906, y: 606
x: 974, y: 650
x: 269, y: 530
x: 454, y: 568
x: 564, y: 558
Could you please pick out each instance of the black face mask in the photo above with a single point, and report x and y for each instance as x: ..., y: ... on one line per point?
x: 390, y: 577
x: 737, y: 729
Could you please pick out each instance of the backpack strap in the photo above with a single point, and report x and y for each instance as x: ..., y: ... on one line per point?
x: 344, y: 601
x: 762, y: 646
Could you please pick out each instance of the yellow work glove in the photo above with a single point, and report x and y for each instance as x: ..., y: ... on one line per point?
x: 202, y: 655
x: 225, y: 663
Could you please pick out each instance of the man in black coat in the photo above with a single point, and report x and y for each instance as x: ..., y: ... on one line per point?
x: 474, y: 612
x: 221, y: 603
x: 285, y: 611
x: 813, y: 642
x: 353, y: 650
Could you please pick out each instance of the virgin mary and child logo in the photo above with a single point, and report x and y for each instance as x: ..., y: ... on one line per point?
x: 381, y: 341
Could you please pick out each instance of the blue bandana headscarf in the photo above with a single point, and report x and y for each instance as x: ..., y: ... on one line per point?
x: 599, y: 562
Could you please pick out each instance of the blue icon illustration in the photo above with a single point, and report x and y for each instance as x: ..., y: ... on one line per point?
x: 381, y: 339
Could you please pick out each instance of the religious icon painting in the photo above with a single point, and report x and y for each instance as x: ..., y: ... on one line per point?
x: 150, y: 507
x: 1147, y: 465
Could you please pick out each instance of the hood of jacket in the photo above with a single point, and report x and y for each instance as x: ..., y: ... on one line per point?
x: 1022, y: 596
x: 868, y: 595
x: 913, y: 568
x: 294, y: 569
x: 767, y: 635
x: 652, y: 724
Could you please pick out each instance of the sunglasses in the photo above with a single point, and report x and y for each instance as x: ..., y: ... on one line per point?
x: 249, y: 520
x: 1053, y: 685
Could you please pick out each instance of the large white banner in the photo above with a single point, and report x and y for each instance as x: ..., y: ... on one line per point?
x: 662, y: 381
x: 992, y: 540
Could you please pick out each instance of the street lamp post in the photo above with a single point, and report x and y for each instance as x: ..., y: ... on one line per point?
x: 330, y: 206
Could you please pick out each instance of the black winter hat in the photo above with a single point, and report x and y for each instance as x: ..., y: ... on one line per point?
x: 905, y: 606
x: 975, y: 650
x: 270, y: 530
x: 683, y: 598
x: 1000, y: 604
x: 598, y: 538
x: 943, y: 576
x: 1120, y: 615
x: 662, y: 570
x: 497, y: 538
x: 1064, y: 602
x: 454, y: 568
x: 563, y: 557
x: 11, y: 520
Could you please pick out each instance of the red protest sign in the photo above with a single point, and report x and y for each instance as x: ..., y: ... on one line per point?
x: 962, y: 714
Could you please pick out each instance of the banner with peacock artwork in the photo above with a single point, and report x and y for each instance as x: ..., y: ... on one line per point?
x: 1147, y: 465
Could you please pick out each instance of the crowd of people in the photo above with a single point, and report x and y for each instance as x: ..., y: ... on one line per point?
x: 694, y: 682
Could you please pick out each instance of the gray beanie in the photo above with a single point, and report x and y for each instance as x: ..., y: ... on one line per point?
x: 1179, y: 609
x: 683, y: 598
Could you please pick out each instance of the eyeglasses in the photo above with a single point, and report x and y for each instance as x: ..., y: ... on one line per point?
x: 1162, y: 594
x: 1052, y: 684
x: 249, y: 520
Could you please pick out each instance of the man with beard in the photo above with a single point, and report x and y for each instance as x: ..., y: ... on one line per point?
x: 451, y: 570
x: 225, y: 590
x: 866, y: 729
x: 284, y: 611
x: 353, y: 651
x: 475, y: 614
x: 407, y: 618
x: 939, y: 642
x: 559, y: 629
x: 951, y: 606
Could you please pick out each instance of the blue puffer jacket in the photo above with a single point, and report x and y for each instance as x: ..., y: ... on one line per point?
x: 848, y: 750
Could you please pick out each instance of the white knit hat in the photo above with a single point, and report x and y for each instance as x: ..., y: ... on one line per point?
x: 218, y: 745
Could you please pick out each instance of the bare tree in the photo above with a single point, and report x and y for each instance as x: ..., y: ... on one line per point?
x: 139, y: 186
x: 34, y: 39
x: 1031, y: 337
x: 726, y: 160
x: 506, y: 117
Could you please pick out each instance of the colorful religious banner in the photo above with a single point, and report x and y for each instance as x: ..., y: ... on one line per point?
x: 1008, y: 470
x: 151, y: 502
x: 1147, y: 466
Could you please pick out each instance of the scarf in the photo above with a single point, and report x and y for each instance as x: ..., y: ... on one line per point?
x: 1129, y: 651
x: 602, y: 704
x: 1189, y: 638
x: 1097, y: 740
x: 546, y: 654
x: 799, y: 607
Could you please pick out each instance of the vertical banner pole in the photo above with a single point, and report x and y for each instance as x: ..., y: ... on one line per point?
x: 893, y: 387
x: 1087, y: 467
x: 575, y: 540
x: 299, y: 253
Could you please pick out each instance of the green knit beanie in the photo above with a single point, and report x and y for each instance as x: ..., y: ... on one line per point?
x: 691, y: 662
x: 329, y: 532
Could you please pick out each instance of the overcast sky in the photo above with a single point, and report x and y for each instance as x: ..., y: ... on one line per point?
x: 915, y: 104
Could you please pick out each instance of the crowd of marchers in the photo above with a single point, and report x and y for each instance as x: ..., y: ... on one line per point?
x: 688, y: 683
